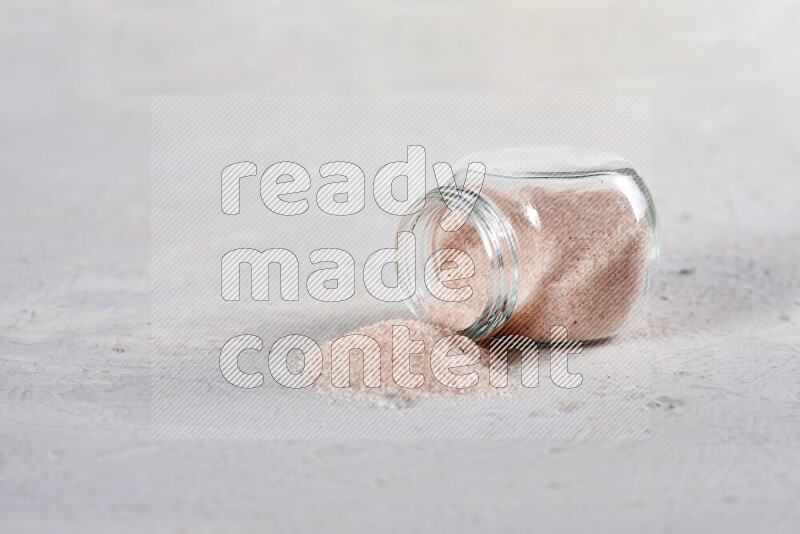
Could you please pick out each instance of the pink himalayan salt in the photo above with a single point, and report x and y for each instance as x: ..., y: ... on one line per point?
x: 381, y: 332
x: 583, y: 267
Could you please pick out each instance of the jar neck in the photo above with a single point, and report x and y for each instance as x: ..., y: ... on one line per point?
x: 498, y: 243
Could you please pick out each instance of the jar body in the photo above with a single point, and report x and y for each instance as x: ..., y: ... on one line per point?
x: 550, y: 237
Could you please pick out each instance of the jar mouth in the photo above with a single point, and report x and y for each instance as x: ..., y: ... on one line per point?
x: 497, y: 240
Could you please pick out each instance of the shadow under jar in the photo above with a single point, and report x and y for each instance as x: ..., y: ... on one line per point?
x: 554, y: 237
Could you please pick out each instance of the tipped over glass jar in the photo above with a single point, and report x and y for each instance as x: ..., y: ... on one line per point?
x: 534, y: 238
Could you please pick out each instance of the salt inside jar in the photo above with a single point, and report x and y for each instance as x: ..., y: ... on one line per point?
x: 552, y: 237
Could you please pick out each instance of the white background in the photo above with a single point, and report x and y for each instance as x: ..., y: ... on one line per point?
x: 76, y: 82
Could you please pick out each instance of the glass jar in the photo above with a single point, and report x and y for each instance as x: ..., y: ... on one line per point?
x: 550, y: 237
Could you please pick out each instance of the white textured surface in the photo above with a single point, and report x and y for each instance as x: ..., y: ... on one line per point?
x: 74, y: 413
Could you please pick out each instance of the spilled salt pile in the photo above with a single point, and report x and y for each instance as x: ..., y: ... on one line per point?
x: 402, y: 357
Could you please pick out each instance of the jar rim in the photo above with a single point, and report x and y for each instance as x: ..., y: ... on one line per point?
x: 498, y: 241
